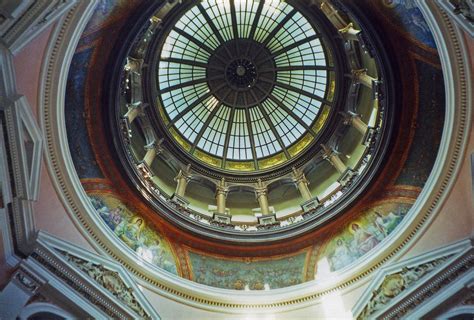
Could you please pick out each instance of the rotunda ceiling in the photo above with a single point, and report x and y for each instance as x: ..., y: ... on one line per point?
x: 168, y: 104
x: 243, y: 111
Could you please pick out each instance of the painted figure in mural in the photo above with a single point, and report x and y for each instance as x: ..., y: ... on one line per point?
x: 342, y: 256
x: 129, y: 232
x: 151, y: 251
x: 113, y: 217
x: 387, y: 223
x: 363, y: 241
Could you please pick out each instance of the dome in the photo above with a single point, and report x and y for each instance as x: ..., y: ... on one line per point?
x: 208, y: 159
x: 253, y: 90
x: 240, y: 101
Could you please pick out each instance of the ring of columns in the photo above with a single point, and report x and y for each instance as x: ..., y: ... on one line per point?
x: 231, y: 205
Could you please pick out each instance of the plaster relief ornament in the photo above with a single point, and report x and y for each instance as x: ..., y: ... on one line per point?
x: 395, y: 284
x: 108, y: 279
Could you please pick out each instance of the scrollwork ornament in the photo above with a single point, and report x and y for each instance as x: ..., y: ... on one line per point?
x: 110, y: 280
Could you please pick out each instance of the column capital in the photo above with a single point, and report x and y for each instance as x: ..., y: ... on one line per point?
x: 299, y: 176
x: 357, y: 73
x: 329, y: 152
x: 360, y: 76
x: 133, y: 65
x: 348, y: 116
x: 221, y: 188
x: 349, y: 33
x: 260, y: 189
x: 184, y: 174
x: 136, y: 105
x: 156, y: 145
x: 346, y: 28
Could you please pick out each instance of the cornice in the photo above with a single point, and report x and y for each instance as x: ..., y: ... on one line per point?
x: 38, y: 15
x: 453, y: 55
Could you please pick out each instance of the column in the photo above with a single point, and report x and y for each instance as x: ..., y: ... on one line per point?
x: 302, y: 184
x: 182, y: 180
x: 333, y: 157
x: 355, y: 120
x: 153, y: 149
x: 134, y: 110
x: 134, y: 65
x: 261, y: 195
x: 333, y: 15
x: 361, y: 76
x: 349, y: 33
x: 221, y: 196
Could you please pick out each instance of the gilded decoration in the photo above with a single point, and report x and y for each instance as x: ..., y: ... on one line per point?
x: 318, y: 125
x: 272, y: 161
x: 300, y: 145
x: 213, y: 161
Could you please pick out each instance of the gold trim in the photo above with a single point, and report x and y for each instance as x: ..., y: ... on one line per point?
x: 207, y: 159
x: 332, y: 87
x: 300, y: 145
x: 319, y: 123
x: 240, y: 166
x: 177, y: 137
x: 273, y: 161
x: 162, y: 112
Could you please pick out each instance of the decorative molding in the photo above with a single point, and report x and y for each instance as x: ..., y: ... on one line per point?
x: 25, y: 146
x: 393, y: 283
x: 29, y: 20
x: 458, y: 114
x: 27, y: 281
x: 7, y: 75
x: 80, y: 283
x: 105, y: 273
x: 462, y: 12
x: 24, y: 225
x: 472, y: 175
x: 456, y: 296
x: 21, y: 168
x: 5, y: 183
x: 22, y: 133
x: 108, y: 279
x: 456, y: 269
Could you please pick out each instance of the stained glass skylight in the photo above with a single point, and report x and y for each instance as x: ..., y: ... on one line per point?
x: 243, y: 80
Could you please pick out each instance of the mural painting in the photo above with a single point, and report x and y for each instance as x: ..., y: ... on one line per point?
x: 408, y: 17
x: 362, y: 235
x: 249, y: 273
x: 348, y: 243
x: 131, y: 228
